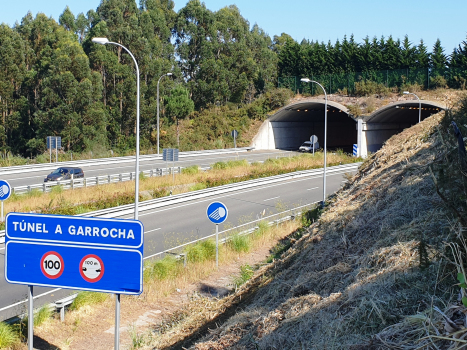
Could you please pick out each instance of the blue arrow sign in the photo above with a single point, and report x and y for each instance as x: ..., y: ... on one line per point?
x: 217, y: 212
x: 74, y: 229
x: 5, y: 190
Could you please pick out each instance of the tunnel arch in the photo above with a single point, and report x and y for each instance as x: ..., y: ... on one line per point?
x: 391, y: 119
x: 293, y: 124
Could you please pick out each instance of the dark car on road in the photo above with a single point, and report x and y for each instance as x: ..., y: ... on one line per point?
x: 64, y: 173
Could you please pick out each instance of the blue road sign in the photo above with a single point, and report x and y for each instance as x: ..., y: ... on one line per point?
x: 104, y: 255
x: 75, y: 267
x: 217, y: 212
x: 75, y: 230
x: 5, y: 190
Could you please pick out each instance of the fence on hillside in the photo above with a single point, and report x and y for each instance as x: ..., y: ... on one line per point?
x: 427, y: 78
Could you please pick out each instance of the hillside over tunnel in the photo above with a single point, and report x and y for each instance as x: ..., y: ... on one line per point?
x: 295, y: 123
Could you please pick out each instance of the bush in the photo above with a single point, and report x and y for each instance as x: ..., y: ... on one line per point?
x: 162, y: 269
x: 201, y: 251
x: 438, y: 81
x: 8, y: 336
x: 88, y: 298
x: 219, y: 165
x: 191, y: 170
x: 240, y: 243
x: 368, y: 87
x: 42, y: 315
x: 246, y: 272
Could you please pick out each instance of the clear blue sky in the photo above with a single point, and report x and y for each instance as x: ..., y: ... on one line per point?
x: 312, y: 19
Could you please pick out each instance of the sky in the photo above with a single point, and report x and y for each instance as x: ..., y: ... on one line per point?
x: 315, y: 20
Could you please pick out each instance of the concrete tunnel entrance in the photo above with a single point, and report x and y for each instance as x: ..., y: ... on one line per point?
x: 293, y: 124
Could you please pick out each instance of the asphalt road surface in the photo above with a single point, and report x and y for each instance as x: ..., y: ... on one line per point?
x: 173, y: 225
x: 35, y: 177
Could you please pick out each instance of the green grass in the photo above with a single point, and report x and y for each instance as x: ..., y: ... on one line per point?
x: 162, y: 269
x: 191, y: 170
x: 8, y: 336
x: 88, y: 298
x: 246, y: 272
x: 240, y: 243
x: 42, y: 315
x: 198, y: 186
x: 201, y: 251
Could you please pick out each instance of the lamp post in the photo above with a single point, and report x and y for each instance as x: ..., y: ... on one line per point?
x: 166, y: 74
x: 419, y: 105
x: 306, y: 80
x: 105, y: 41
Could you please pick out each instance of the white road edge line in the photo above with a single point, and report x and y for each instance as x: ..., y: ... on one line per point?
x: 270, y: 199
x: 314, y: 188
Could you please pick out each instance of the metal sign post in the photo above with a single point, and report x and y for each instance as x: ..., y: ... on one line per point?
x: 94, y: 254
x: 5, y: 193
x: 234, y: 134
x: 170, y: 155
x: 54, y: 142
x: 313, y: 140
x: 217, y: 212
x: 30, y: 318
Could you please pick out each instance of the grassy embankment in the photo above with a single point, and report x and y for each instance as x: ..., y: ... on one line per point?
x: 83, y: 200
x: 380, y: 268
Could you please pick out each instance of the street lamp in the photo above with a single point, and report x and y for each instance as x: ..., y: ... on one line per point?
x: 306, y: 80
x: 104, y: 41
x: 419, y: 105
x: 166, y: 74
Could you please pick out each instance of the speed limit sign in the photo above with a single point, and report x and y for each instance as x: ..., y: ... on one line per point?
x: 52, y: 265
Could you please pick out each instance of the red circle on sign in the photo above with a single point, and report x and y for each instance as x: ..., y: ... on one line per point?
x: 91, y: 268
x: 52, y: 265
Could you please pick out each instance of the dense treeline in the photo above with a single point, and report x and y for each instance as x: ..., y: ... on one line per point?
x: 55, y: 81
x: 313, y: 58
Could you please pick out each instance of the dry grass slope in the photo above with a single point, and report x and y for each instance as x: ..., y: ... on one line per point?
x: 375, y: 258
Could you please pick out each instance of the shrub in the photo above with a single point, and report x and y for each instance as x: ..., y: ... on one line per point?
x: 240, y: 243
x: 219, y: 165
x: 368, y: 87
x: 191, y: 170
x: 162, y: 269
x: 201, y: 251
x: 42, y: 315
x: 246, y: 272
x: 8, y: 336
x: 88, y: 298
x: 438, y: 81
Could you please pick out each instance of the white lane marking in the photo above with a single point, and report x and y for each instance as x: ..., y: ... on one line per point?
x: 270, y: 199
x: 34, y: 297
x: 156, y: 229
x: 233, y: 194
x: 310, y: 189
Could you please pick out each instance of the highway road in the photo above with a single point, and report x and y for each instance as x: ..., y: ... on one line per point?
x: 172, y: 225
x: 34, y: 177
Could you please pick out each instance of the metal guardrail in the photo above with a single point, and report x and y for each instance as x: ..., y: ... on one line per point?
x: 95, y: 180
x: 113, y: 160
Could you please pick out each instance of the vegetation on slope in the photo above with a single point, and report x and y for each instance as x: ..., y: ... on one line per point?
x: 377, y: 270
